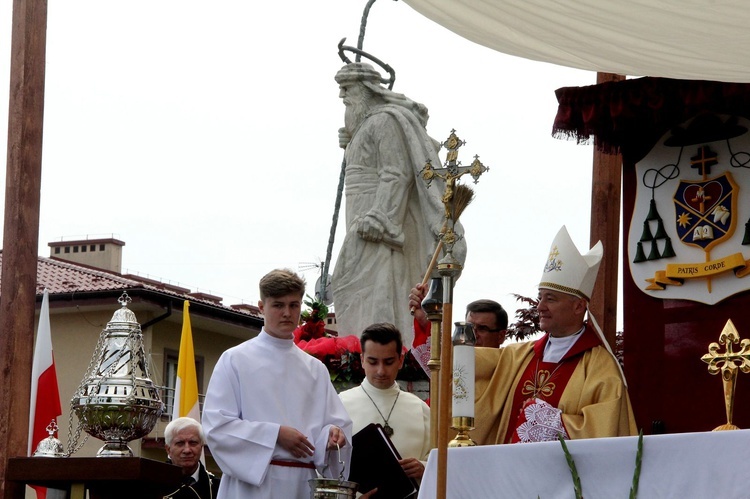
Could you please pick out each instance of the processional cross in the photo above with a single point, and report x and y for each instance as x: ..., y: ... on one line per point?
x: 448, y: 268
x: 727, y: 363
x: 451, y: 171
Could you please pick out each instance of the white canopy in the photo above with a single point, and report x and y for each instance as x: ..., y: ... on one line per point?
x: 686, y: 39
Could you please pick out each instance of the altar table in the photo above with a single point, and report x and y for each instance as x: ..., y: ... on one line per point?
x: 685, y: 465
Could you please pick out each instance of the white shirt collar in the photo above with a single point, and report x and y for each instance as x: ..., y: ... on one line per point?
x: 196, y: 476
x: 371, y: 389
x: 556, y: 348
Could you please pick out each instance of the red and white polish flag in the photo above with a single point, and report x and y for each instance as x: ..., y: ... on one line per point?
x: 45, y: 395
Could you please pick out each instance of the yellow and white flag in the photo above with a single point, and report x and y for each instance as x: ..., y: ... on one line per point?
x: 186, y: 387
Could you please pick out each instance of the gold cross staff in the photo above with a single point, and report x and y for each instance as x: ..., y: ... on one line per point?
x: 452, y: 170
x: 448, y: 268
x: 727, y: 363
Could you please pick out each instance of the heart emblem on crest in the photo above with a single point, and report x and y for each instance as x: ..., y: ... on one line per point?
x: 706, y: 195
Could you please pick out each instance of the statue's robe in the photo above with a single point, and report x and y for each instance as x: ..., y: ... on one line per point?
x: 372, y: 280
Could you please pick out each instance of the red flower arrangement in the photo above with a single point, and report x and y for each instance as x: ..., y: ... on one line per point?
x: 340, y: 354
x: 313, y: 321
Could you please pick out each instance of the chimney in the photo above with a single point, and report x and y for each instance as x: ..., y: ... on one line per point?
x: 105, y: 254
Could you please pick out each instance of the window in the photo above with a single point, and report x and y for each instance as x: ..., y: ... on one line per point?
x: 67, y: 249
x: 75, y: 249
x: 57, y: 250
x: 92, y: 247
x: 83, y: 248
x: 101, y: 247
x: 170, y: 380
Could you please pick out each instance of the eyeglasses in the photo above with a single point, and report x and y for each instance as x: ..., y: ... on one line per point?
x: 480, y: 328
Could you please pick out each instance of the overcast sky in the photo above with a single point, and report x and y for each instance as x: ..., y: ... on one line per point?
x: 204, y: 135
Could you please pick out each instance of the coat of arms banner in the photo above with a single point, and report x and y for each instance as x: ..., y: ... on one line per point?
x: 690, y: 231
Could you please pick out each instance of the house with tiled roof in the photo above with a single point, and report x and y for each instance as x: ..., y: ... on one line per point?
x: 84, y: 282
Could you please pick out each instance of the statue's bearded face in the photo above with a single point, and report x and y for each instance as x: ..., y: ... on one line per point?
x: 356, y: 99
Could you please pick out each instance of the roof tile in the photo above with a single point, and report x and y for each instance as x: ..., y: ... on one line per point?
x: 66, y: 277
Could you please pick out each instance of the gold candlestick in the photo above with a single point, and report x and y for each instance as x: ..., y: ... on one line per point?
x: 463, y: 426
x: 463, y: 384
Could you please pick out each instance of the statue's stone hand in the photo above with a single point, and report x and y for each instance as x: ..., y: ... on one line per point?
x: 344, y: 138
x: 370, y: 229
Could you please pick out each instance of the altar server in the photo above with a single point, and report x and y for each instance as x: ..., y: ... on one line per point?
x: 271, y: 415
x: 379, y: 399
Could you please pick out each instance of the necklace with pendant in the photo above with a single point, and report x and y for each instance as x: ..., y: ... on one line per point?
x: 387, y: 428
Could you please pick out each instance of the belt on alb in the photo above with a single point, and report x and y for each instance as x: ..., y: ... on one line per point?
x: 292, y: 464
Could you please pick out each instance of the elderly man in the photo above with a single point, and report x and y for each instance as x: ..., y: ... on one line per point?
x: 392, y: 218
x: 184, y: 441
x: 566, y: 383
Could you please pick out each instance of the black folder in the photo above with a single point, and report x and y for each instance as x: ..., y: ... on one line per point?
x: 374, y: 463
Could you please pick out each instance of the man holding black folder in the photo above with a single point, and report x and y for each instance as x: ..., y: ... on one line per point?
x: 404, y: 417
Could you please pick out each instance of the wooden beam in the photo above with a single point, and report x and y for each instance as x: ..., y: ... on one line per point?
x: 446, y: 394
x: 21, y: 230
x: 606, y: 188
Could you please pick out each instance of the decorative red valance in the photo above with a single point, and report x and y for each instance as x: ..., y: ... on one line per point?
x: 629, y: 116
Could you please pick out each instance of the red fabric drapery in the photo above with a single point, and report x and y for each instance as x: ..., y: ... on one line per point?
x: 629, y: 116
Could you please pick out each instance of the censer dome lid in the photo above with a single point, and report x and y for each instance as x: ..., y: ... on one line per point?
x: 50, y: 446
x: 124, y: 314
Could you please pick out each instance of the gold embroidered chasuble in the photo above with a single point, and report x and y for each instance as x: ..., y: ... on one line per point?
x: 594, y: 401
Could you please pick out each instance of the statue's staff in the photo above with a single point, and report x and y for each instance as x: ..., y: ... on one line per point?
x: 342, y: 175
x: 389, y: 81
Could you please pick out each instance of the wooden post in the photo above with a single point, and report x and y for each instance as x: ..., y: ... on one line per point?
x: 446, y: 394
x: 606, y: 187
x: 21, y: 230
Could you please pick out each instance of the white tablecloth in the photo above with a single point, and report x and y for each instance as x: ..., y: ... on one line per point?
x: 682, y: 466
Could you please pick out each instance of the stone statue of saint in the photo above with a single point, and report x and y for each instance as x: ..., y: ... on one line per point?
x: 392, y: 218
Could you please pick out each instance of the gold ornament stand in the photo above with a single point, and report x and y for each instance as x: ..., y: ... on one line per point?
x: 727, y: 363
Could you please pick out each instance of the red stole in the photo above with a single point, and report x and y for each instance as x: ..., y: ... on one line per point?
x: 551, y: 377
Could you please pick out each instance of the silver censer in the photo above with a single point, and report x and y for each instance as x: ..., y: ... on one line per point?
x: 117, y: 402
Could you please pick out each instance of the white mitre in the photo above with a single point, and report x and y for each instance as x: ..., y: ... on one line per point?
x: 567, y: 270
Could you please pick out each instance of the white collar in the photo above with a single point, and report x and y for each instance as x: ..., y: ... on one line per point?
x: 274, y: 341
x: 557, y: 347
x: 372, y: 389
x: 197, y: 475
